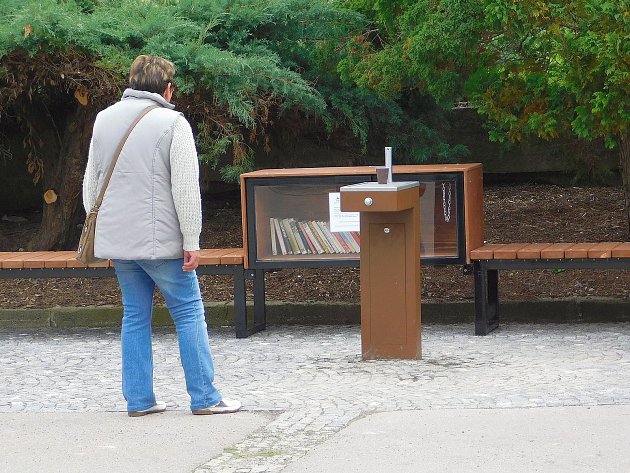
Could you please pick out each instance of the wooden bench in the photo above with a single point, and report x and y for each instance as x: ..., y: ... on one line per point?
x: 62, y: 264
x: 489, y: 259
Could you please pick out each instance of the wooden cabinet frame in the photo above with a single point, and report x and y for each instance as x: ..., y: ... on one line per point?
x: 467, y: 205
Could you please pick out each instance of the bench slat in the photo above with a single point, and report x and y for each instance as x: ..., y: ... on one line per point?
x: 532, y: 251
x: 67, y: 259
x: 17, y: 260
x: 609, y: 249
x: 211, y: 256
x: 603, y: 250
x: 555, y: 250
x: 221, y: 256
x: 484, y: 252
x: 74, y: 263
x: 578, y: 250
x: 234, y: 257
x: 38, y: 260
x: 508, y: 251
x: 63, y: 259
x: 7, y: 255
x: 621, y: 251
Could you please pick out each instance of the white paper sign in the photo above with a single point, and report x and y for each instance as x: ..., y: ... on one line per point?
x: 342, y: 221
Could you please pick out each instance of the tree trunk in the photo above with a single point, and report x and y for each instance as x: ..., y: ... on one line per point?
x: 624, y: 161
x: 58, y: 229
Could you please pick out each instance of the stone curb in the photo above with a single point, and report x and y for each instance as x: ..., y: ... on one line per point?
x: 333, y: 313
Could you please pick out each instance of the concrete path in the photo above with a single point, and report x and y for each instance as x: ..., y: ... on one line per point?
x: 103, y: 442
x: 542, y: 439
x: 313, y: 383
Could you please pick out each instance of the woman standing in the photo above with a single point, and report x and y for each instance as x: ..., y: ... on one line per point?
x: 149, y: 226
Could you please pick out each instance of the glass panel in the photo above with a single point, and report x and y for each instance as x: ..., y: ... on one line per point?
x: 293, y: 222
x: 438, y: 218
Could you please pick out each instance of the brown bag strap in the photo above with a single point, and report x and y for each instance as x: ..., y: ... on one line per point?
x: 99, y: 199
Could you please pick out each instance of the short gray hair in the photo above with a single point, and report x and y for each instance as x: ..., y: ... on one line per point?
x: 151, y: 73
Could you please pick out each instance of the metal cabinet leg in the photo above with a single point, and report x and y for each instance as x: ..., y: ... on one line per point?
x: 486, y: 298
x: 240, y: 306
x: 260, y: 312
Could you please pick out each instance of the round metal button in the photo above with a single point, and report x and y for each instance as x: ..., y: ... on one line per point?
x: 386, y: 230
x: 368, y: 201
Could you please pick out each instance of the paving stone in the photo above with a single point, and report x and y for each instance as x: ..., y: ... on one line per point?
x: 315, y: 377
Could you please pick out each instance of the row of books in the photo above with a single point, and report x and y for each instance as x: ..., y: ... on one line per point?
x: 292, y: 237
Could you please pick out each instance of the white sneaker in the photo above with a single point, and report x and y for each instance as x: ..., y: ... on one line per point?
x: 159, y: 407
x: 225, y: 406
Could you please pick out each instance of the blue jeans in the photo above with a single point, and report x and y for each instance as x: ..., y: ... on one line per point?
x: 181, y: 292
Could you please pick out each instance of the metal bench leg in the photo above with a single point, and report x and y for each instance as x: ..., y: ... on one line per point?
x: 486, y: 298
x: 240, y: 306
x: 493, y: 299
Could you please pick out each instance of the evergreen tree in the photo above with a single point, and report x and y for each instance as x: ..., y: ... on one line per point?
x: 61, y: 61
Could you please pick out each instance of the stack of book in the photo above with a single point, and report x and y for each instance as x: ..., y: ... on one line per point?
x: 292, y: 237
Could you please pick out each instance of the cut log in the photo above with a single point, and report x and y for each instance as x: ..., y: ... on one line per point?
x: 50, y: 196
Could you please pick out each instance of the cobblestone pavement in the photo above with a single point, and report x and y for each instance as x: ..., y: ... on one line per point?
x: 314, y: 378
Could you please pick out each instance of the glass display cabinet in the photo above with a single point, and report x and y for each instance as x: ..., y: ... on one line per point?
x: 291, y: 217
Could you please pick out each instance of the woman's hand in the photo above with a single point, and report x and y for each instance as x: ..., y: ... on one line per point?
x: 191, y: 260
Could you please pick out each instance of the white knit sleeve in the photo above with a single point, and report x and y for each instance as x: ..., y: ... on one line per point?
x: 185, y: 183
x: 90, y: 181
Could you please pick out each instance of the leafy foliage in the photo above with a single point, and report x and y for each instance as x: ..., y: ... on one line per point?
x: 232, y: 70
x: 533, y: 67
x: 558, y: 67
x: 426, y: 47
x: 380, y: 60
x: 241, y: 64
